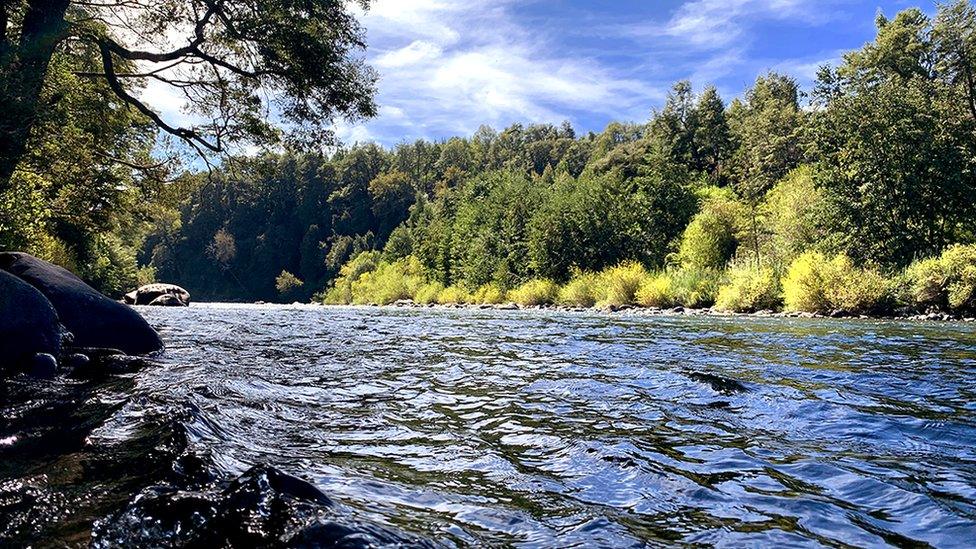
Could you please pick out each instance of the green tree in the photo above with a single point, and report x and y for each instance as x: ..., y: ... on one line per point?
x: 897, y: 142
x: 287, y: 284
x: 767, y: 129
x: 392, y: 195
x: 954, y: 36
x: 234, y: 60
x: 712, y: 141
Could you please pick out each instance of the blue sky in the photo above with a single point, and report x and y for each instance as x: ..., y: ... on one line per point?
x: 448, y: 67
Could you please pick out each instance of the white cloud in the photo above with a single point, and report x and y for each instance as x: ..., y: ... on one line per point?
x: 168, y: 101
x: 447, y: 68
x: 715, y: 24
x: 417, y: 51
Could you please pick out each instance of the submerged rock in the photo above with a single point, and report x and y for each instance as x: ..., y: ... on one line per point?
x: 28, y: 324
x: 718, y: 384
x: 262, y: 508
x: 93, y: 319
x: 160, y: 295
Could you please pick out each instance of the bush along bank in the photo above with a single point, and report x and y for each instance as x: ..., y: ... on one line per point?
x: 812, y: 285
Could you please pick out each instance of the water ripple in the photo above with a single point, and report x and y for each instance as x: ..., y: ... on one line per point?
x: 549, y: 429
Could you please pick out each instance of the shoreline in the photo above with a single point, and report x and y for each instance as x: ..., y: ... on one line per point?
x: 628, y: 310
x: 634, y: 310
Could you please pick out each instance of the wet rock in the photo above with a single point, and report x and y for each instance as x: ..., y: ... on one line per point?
x: 676, y: 310
x: 93, y: 319
x: 28, y: 323
x: 76, y: 361
x: 718, y: 383
x: 507, y: 307
x: 262, y: 508
x: 43, y: 366
x: 149, y: 294
x: 840, y: 313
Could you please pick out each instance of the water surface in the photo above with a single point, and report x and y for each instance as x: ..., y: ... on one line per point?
x: 521, y: 428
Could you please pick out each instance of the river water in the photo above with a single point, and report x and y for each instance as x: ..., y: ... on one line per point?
x: 312, y: 425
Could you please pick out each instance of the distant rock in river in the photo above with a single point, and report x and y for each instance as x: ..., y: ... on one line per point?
x: 160, y: 295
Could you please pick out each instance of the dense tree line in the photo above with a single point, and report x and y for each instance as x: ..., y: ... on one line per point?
x: 876, y: 163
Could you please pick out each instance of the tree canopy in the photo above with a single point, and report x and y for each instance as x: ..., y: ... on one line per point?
x: 251, y: 72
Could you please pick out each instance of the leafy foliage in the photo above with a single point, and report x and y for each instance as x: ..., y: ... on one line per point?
x: 947, y: 282
x: 711, y: 238
x: 749, y: 288
x: 537, y: 291
x: 817, y: 284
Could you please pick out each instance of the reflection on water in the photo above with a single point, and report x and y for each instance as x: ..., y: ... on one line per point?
x: 543, y: 428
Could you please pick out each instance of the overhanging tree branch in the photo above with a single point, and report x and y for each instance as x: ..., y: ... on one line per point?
x: 187, y: 135
x: 199, y: 35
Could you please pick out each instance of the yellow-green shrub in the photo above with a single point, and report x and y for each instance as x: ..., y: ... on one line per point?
x: 947, y: 282
x: 581, y: 291
x: 621, y: 283
x: 655, y: 291
x: 538, y: 291
x: 428, y: 293
x: 794, y: 217
x: 341, y: 291
x: 814, y: 283
x: 695, y: 288
x: 389, y: 282
x: 749, y: 288
x: 709, y: 240
x: 452, y: 295
x: 490, y: 294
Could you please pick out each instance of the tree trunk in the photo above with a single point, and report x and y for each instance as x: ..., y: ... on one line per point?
x: 970, y: 86
x: 22, y: 71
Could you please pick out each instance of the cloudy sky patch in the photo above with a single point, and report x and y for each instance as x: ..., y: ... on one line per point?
x: 449, y: 66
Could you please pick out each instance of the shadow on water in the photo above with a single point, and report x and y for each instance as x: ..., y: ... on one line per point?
x: 345, y: 427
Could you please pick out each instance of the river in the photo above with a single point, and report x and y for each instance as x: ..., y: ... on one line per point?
x: 305, y: 425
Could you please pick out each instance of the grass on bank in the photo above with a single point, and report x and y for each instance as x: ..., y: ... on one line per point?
x: 813, y: 283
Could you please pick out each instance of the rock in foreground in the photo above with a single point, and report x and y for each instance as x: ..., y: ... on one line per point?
x: 93, y: 319
x: 162, y: 295
x: 28, y: 323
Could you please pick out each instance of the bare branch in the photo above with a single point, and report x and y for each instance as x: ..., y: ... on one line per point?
x: 134, y: 166
x: 159, y: 57
x: 191, y: 137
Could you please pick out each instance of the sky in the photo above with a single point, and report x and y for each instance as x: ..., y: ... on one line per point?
x: 448, y: 66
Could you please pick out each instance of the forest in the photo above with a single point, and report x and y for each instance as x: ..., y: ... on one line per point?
x: 857, y: 195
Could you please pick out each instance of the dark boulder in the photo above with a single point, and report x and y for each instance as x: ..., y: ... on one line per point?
x: 151, y: 294
x: 28, y: 324
x: 93, y: 319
